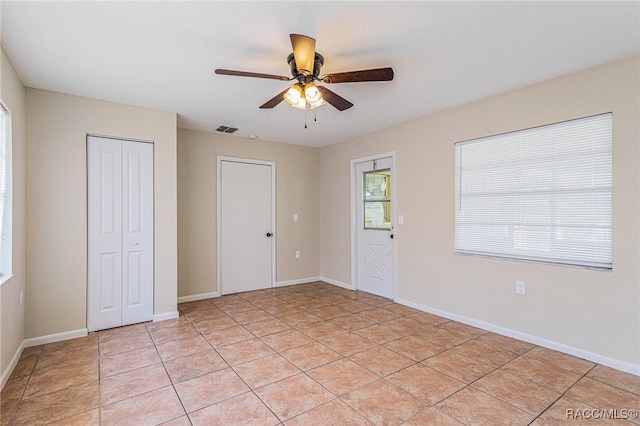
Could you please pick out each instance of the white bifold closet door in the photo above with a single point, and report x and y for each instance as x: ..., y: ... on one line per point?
x: 120, y: 232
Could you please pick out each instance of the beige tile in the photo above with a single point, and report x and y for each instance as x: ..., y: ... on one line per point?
x: 379, y: 333
x: 124, y: 344
x: 131, y: 383
x: 234, y: 308
x: 328, y: 312
x: 58, y: 405
x: 126, y: 331
x: 355, y: 306
x: 378, y: 315
x: 183, y: 347
x: 351, y: 322
x: 253, y: 315
x: 342, y: 376
x: 283, y: 309
x: 89, y: 340
x: 408, y: 325
x: 155, y: 407
x: 173, y: 322
x: 485, y: 353
x: 285, y: 340
x: 569, y: 411
x: 541, y: 373
x: 210, y: 389
x: 265, y: 327
x: 173, y: 333
x: 242, y: 352
x: 347, y: 343
x: 300, y: 319
x: 127, y: 361
x: 462, y: 329
x: 413, y: 347
x: 474, y: 407
x: 458, y: 366
x: 375, y: 300
x: 428, y: 319
x: 442, y: 337
x: 601, y: 395
x: 245, y: 409
x: 207, y: 313
x: 194, y: 306
x: 517, y: 391
x: 46, y: 380
x: 381, y: 361
x: 195, y: 365
x: 425, y: 383
x: 399, y: 309
x: 88, y: 418
x: 322, y: 329
x: 180, y: 421
x: 66, y: 357
x: 266, y: 370
x: 228, y: 336
x: 432, y: 416
x: 213, y: 324
x: 25, y: 365
x: 293, y: 396
x: 311, y: 355
x: 616, y: 378
x: 334, y: 412
x: 507, y: 343
x: 383, y: 403
x: 558, y: 359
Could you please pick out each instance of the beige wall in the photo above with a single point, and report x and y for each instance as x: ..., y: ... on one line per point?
x: 12, y: 315
x: 58, y: 125
x: 296, y: 192
x: 593, y: 311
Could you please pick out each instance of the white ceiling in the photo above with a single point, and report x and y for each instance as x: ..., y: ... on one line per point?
x: 162, y: 55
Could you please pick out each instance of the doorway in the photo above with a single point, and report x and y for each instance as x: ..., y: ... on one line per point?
x: 246, y: 224
x: 120, y: 249
x: 373, y: 226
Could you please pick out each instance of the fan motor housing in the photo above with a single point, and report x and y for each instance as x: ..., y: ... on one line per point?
x: 318, y: 62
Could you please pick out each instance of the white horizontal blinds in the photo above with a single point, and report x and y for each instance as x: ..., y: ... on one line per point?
x: 541, y: 194
x: 5, y: 195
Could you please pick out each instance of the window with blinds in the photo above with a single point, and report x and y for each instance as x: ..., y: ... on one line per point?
x: 5, y: 194
x: 540, y: 194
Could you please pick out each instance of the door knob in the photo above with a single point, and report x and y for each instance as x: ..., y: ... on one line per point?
x: 269, y: 234
x: 136, y: 243
x: 391, y: 236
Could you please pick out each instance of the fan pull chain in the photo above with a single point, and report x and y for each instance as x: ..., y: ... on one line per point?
x: 305, y: 118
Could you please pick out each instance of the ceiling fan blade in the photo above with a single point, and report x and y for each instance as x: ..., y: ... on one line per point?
x: 334, y: 99
x: 251, y: 74
x: 377, y: 74
x: 275, y: 100
x: 304, y: 50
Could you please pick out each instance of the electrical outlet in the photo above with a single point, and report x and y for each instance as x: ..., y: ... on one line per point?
x: 297, y: 254
x: 295, y: 217
x: 21, y: 297
x: 520, y: 288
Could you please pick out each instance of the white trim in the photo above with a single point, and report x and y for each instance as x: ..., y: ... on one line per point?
x: 165, y: 316
x: 201, y: 296
x: 12, y: 365
x: 354, y: 215
x: 337, y: 283
x: 625, y: 366
x: 56, y: 337
x: 297, y: 281
x: 272, y: 164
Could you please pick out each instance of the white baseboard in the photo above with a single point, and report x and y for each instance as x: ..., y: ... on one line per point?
x: 56, y: 337
x: 165, y: 316
x: 194, y: 297
x: 625, y: 366
x: 14, y: 361
x: 297, y: 281
x: 338, y: 283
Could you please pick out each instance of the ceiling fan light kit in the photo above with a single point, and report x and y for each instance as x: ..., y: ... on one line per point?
x: 305, y: 64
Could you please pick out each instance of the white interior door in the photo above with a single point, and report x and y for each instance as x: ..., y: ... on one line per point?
x: 246, y: 226
x: 374, y: 218
x: 120, y: 232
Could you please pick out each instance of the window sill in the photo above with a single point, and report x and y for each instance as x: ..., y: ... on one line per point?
x: 4, y: 279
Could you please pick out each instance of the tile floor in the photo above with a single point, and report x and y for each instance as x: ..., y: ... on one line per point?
x: 311, y: 354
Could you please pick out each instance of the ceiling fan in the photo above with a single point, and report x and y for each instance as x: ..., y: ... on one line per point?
x: 305, y: 64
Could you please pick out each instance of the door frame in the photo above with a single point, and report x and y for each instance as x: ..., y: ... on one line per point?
x: 353, y: 181
x: 272, y: 164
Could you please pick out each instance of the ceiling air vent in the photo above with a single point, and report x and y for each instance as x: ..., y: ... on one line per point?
x: 226, y: 129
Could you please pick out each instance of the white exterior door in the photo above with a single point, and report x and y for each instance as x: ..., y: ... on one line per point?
x: 375, y: 245
x: 120, y: 232
x: 246, y: 225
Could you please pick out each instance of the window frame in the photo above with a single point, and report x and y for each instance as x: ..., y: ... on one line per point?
x: 6, y: 196
x: 515, y: 200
